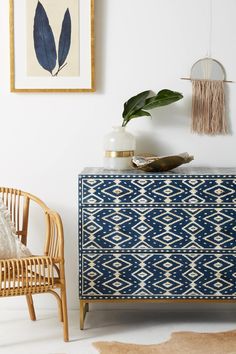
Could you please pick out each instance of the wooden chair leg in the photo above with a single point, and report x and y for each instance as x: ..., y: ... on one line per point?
x: 64, y: 315
x: 30, y: 304
x: 60, y: 310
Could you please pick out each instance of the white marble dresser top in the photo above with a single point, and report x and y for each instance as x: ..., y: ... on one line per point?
x: 177, y: 171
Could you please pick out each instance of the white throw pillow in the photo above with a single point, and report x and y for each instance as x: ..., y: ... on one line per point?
x: 10, y: 245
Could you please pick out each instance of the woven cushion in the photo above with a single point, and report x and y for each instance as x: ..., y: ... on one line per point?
x: 10, y: 245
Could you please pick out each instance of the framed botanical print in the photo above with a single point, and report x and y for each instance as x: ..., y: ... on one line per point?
x: 52, y: 45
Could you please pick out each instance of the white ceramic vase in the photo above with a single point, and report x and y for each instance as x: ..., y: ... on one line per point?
x: 119, y: 146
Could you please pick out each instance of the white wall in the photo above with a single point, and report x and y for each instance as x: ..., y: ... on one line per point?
x: 46, y: 139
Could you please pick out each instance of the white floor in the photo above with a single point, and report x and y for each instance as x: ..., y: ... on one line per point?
x: 151, y: 324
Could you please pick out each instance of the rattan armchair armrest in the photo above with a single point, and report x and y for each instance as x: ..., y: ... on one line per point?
x: 54, y: 246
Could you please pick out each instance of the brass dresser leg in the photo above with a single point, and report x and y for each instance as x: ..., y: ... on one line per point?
x: 84, y: 308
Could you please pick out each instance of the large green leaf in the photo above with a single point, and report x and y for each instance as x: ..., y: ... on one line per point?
x: 163, y: 98
x: 135, y: 103
x: 137, y: 114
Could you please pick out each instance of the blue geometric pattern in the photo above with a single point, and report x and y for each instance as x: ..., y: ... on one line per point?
x: 158, y: 228
x: 169, y: 275
x: 157, y: 236
x: 158, y: 190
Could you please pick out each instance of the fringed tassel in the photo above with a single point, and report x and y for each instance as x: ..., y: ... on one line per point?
x: 208, y: 107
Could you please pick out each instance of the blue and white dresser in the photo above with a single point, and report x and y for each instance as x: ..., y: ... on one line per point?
x: 157, y: 236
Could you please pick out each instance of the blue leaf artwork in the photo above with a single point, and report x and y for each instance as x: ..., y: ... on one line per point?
x: 65, y: 39
x: 44, y: 42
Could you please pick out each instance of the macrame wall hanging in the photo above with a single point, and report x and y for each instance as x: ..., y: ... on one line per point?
x: 208, y: 99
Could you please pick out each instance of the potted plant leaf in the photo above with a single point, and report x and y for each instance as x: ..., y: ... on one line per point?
x: 119, y: 144
x: 140, y: 104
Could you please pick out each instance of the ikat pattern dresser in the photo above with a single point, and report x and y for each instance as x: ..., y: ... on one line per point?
x: 150, y: 236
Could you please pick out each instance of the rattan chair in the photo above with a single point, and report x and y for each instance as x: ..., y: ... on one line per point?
x: 36, y: 274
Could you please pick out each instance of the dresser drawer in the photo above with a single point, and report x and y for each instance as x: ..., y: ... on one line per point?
x: 204, y: 276
x: 186, y: 190
x: 158, y: 228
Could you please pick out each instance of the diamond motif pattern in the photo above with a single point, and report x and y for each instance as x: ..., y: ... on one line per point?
x: 219, y: 239
x: 168, y: 218
x: 219, y: 218
x: 218, y: 285
x: 167, y: 192
x: 158, y: 275
x: 117, y: 238
x: 118, y: 191
x: 193, y: 228
x: 142, y: 228
x: 193, y: 274
x: 168, y: 239
x: 157, y: 228
x: 218, y: 265
x: 158, y: 190
x: 117, y: 218
x: 117, y: 285
x: 219, y: 190
x: 168, y: 285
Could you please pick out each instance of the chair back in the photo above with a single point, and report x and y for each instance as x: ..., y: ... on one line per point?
x: 18, y: 203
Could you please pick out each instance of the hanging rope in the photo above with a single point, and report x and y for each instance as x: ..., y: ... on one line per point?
x: 208, y: 107
x: 209, y: 54
x: 208, y: 101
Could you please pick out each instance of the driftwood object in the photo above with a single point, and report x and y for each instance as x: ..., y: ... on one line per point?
x: 150, y: 163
